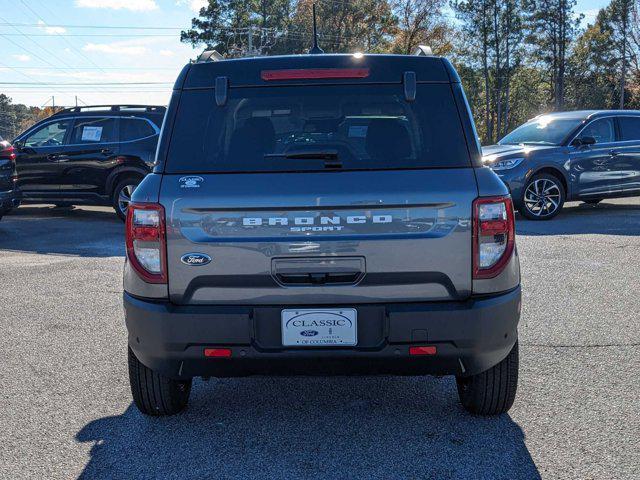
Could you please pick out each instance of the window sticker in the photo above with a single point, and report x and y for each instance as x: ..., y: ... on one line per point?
x: 91, y: 134
x: 358, y: 131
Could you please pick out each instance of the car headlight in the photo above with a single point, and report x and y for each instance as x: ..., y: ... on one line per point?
x: 506, y: 164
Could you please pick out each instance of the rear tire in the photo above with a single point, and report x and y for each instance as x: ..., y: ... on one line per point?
x: 121, y: 195
x: 543, y: 197
x: 491, y: 392
x: 155, y: 394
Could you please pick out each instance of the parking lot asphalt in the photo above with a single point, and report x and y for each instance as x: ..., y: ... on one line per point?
x: 67, y: 411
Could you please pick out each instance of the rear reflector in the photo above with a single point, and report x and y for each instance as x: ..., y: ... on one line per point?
x: 314, y: 73
x: 217, y: 352
x: 424, y: 350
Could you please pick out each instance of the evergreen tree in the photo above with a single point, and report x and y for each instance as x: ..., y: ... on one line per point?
x: 491, y: 44
x: 346, y: 26
x: 552, y: 26
x: 239, y: 28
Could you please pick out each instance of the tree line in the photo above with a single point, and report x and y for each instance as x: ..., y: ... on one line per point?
x: 16, y: 117
x: 516, y: 58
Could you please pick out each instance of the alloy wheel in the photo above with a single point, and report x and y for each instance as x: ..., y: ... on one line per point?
x: 124, y: 198
x: 542, y: 197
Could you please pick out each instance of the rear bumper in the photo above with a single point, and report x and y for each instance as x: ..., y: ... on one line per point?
x: 10, y: 200
x: 470, y: 336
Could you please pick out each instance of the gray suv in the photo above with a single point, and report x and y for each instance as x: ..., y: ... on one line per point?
x: 583, y: 155
x: 321, y: 214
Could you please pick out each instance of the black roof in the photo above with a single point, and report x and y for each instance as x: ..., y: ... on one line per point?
x: 381, y: 69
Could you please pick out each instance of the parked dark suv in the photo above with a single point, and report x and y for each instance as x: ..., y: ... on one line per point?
x: 583, y: 155
x: 93, y: 155
x: 9, y: 194
x: 321, y: 214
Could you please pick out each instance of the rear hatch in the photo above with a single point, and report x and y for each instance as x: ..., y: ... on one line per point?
x: 318, y: 193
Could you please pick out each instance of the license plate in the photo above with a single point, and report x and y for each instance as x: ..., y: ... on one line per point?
x: 319, y: 327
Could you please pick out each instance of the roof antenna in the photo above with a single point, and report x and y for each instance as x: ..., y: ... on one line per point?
x: 315, y: 49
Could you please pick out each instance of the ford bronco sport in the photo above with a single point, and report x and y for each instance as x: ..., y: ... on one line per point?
x: 321, y: 214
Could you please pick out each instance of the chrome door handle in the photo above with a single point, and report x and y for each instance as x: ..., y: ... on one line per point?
x: 106, y: 151
x: 614, y: 153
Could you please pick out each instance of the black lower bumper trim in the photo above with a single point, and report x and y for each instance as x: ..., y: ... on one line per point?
x: 471, y: 336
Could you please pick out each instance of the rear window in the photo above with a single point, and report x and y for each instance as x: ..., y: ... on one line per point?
x: 266, y: 129
x: 630, y: 127
x: 134, y: 129
x: 93, y: 130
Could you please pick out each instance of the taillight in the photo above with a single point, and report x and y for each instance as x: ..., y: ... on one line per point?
x: 9, y: 152
x: 146, y: 241
x: 493, y: 235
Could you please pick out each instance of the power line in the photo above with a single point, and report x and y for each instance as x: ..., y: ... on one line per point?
x: 35, y: 55
x: 86, y: 83
x: 113, y: 35
x: 115, y: 27
x: 94, y: 68
x: 40, y: 47
x: 65, y: 40
x: 32, y: 78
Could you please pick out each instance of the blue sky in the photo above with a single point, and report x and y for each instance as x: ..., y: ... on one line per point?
x: 39, y: 45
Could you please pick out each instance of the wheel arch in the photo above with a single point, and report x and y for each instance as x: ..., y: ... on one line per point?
x: 119, y: 173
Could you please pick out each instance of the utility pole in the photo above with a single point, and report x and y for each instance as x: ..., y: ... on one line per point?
x: 623, y: 73
x: 76, y: 100
x: 53, y: 102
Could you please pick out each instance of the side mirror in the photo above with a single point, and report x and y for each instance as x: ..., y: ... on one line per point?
x: 583, y: 141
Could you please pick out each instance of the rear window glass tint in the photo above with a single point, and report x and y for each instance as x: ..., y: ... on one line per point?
x: 93, y: 130
x: 365, y: 126
x: 630, y: 127
x: 135, y: 128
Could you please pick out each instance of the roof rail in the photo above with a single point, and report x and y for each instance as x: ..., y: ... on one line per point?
x: 111, y: 108
x: 209, y: 56
x: 423, y: 51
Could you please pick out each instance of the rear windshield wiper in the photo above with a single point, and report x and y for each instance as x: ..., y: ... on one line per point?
x: 329, y: 156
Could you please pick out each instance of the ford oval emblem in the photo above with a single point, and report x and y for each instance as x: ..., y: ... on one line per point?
x: 308, y: 333
x: 195, y: 259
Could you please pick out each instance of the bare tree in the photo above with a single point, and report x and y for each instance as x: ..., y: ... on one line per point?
x: 421, y: 22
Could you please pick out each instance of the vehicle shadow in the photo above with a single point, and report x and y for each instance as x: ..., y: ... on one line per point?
x: 63, y: 231
x: 311, y: 427
x: 606, y: 218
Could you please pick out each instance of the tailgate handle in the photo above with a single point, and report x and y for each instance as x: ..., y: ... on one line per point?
x: 318, y: 271
x: 319, y: 278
